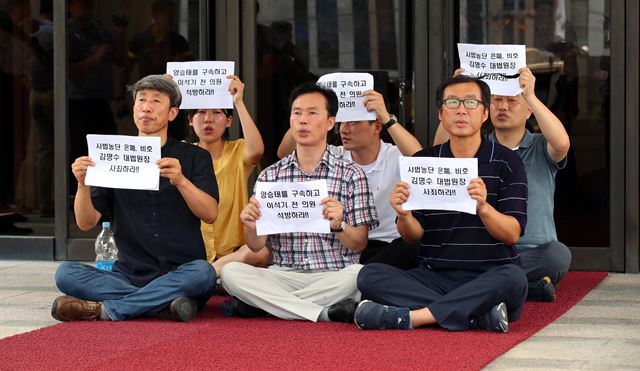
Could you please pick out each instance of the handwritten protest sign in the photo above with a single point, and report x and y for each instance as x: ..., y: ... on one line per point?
x: 203, y: 84
x: 438, y: 183
x: 497, y: 65
x: 349, y: 88
x: 291, y: 207
x: 124, y: 162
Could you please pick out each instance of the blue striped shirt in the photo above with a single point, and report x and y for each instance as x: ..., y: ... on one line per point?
x: 348, y: 184
x: 459, y: 241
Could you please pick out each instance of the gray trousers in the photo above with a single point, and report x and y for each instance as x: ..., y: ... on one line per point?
x: 290, y: 293
x: 550, y: 259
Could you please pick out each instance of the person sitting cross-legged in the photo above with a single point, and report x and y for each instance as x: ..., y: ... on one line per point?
x: 161, y: 267
x: 469, y: 276
x: 313, y: 276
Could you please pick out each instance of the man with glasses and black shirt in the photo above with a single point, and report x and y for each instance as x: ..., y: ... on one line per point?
x: 469, y: 276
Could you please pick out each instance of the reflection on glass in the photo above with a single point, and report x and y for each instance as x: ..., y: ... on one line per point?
x: 300, y: 40
x: 25, y: 128
x: 111, y: 45
x: 568, y: 51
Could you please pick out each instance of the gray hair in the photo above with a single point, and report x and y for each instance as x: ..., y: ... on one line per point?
x: 163, y: 84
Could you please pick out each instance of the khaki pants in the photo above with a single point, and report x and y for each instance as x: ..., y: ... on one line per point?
x: 290, y: 293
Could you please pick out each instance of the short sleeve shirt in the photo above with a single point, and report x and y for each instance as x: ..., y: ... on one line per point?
x: 382, y: 175
x: 455, y: 240
x: 541, y: 173
x: 323, y: 251
x: 232, y: 174
x: 155, y: 231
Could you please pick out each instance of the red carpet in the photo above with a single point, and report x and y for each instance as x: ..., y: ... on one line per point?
x: 213, y: 341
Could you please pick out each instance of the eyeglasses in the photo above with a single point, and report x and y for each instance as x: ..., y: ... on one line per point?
x: 453, y: 103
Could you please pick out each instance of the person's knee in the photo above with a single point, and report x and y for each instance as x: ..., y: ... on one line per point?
x: 558, y: 257
x: 64, y: 276
x: 368, y: 276
x: 229, y: 274
x: 202, y: 274
x: 515, y: 276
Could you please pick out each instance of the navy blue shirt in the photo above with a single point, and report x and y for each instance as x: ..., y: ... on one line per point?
x: 155, y: 231
x: 459, y: 241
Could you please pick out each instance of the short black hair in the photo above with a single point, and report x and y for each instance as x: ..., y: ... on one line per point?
x: 311, y: 87
x: 485, y: 91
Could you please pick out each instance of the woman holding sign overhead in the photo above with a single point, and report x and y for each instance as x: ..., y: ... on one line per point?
x: 233, y: 162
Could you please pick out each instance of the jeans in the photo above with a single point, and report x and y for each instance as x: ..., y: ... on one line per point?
x: 121, y: 300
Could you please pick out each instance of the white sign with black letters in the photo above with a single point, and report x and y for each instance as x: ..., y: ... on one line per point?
x: 497, y: 65
x: 349, y: 88
x: 291, y: 207
x: 123, y: 161
x: 203, y: 84
x: 439, y: 183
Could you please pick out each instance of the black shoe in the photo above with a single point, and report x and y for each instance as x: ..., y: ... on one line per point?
x: 218, y: 290
x: 343, y: 311
x: 542, y: 290
x: 181, y: 309
x: 495, y: 319
x: 236, y: 307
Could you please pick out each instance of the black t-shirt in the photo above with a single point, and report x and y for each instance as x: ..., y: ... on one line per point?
x: 155, y: 231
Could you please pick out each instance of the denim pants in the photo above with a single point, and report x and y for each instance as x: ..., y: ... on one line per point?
x: 122, y: 300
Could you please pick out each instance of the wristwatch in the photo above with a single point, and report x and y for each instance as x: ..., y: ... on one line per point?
x: 392, y: 121
x: 342, y: 227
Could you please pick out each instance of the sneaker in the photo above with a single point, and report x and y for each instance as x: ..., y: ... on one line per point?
x: 342, y: 311
x: 181, y: 309
x: 542, y: 290
x: 374, y: 316
x: 236, y: 307
x: 67, y: 308
x: 495, y: 319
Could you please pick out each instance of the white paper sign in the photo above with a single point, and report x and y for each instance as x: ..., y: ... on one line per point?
x: 349, y: 88
x: 124, y: 161
x: 497, y: 65
x: 291, y: 207
x: 439, y: 183
x: 203, y: 84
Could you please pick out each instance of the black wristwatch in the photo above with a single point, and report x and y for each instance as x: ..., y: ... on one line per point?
x: 341, y: 228
x: 392, y: 121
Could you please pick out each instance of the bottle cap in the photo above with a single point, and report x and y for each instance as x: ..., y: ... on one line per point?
x: 106, y: 224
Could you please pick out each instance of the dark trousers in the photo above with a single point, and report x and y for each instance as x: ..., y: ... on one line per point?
x: 453, y: 297
x: 551, y: 259
x: 397, y: 253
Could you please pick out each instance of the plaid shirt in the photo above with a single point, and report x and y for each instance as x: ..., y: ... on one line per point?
x: 348, y: 184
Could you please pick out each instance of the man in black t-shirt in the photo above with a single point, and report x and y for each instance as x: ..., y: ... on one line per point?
x: 162, y: 266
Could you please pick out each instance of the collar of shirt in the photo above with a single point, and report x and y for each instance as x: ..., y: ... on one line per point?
x: 484, y: 154
x: 377, y: 164
x: 527, y: 139
x: 328, y: 159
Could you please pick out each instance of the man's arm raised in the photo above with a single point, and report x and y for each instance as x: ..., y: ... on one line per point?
x: 557, y: 138
x: 406, y: 143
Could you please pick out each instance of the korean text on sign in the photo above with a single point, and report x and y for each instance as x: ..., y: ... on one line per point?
x: 497, y: 65
x: 349, y: 88
x: 437, y: 183
x: 291, y: 207
x: 203, y: 84
x: 124, y: 162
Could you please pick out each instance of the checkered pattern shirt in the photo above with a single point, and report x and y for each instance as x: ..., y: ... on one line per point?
x: 323, y: 251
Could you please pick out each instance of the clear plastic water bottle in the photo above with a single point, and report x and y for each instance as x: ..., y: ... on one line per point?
x: 106, y: 250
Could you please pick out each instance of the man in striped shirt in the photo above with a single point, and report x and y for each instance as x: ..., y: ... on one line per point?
x: 470, y: 275
x: 313, y: 276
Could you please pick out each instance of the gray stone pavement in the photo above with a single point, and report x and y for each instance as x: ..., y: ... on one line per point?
x: 602, y: 332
